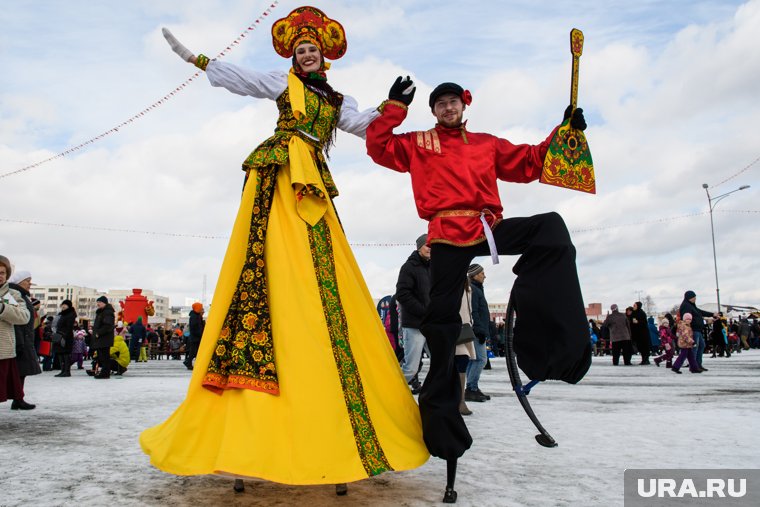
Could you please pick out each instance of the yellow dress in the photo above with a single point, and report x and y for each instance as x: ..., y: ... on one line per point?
x: 344, y: 411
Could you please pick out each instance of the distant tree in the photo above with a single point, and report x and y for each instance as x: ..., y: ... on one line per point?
x: 649, y: 305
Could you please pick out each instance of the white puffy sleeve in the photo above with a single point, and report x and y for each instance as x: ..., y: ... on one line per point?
x: 352, y: 120
x: 262, y: 85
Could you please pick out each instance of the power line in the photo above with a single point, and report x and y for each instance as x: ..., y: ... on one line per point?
x: 368, y: 244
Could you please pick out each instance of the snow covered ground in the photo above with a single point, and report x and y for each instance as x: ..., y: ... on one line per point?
x: 79, y: 447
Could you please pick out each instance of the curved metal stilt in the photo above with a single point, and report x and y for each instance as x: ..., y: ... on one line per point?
x: 543, y: 438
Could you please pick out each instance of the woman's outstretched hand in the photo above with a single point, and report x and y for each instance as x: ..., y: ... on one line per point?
x: 178, y: 47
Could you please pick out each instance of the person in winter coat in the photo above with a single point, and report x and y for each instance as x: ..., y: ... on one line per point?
x: 413, y: 295
x: 79, y: 349
x: 666, y: 342
x: 27, y: 360
x: 139, y: 333
x: 119, y: 356
x: 465, y: 350
x: 13, y: 311
x: 103, y: 331
x: 719, y: 337
x: 640, y: 332
x: 65, y: 327
x: 481, y: 319
x: 620, y: 335
x: 744, y: 332
x: 688, y: 305
x: 654, y: 336
x: 175, y: 345
x: 686, y: 342
x: 196, y: 326
x: 598, y: 342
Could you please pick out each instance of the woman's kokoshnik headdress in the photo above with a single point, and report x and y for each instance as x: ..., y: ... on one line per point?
x: 309, y: 24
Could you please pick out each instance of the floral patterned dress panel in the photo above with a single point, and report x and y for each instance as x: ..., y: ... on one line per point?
x: 244, y: 352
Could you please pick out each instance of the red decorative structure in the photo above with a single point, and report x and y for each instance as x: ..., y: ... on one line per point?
x: 134, y: 306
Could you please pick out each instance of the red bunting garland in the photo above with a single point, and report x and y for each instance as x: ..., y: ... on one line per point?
x: 159, y: 102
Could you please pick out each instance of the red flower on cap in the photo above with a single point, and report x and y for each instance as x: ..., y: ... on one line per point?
x: 467, y: 97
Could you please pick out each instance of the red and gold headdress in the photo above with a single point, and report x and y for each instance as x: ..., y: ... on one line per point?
x: 309, y: 24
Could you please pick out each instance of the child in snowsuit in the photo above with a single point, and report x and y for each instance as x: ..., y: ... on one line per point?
x: 666, y: 341
x: 686, y: 344
x: 79, y: 349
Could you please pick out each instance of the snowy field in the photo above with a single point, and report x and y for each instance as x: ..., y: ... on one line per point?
x: 79, y: 447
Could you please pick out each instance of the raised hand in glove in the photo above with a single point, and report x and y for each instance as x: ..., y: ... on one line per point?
x: 402, y: 90
x: 177, y: 46
x: 578, y: 122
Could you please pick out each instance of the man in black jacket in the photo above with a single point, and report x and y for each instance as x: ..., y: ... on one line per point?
x: 640, y: 332
x: 103, y: 331
x: 413, y: 295
x: 697, y: 323
x: 481, y: 319
x: 196, y: 325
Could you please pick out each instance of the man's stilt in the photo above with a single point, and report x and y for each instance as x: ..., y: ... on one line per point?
x: 450, y: 496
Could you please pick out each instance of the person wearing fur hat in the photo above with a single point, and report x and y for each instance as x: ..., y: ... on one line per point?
x: 27, y: 360
x: 292, y: 352
x: 64, y: 326
x: 413, y: 294
x: 454, y: 174
x: 13, y: 312
x: 196, y: 325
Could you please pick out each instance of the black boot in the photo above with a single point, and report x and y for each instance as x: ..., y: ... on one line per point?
x: 65, y: 366
x: 21, y: 405
x: 341, y: 489
x: 450, y: 496
x: 239, y: 487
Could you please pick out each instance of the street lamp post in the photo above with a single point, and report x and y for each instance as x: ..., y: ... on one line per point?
x: 713, y: 201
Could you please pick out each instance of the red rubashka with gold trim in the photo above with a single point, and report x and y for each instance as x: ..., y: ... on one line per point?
x: 442, y: 161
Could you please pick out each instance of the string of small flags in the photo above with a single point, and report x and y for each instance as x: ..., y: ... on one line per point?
x: 151, y: 107
x: 738, y: 173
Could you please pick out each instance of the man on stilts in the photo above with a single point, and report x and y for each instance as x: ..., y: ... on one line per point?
x: 454, y: 174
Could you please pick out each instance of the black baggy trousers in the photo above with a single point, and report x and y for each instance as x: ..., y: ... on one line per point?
x: 551, y: 332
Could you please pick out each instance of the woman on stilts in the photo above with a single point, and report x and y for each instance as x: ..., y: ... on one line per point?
x: 316, y: 398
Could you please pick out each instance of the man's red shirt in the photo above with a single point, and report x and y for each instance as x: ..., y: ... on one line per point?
x: 453, y: 172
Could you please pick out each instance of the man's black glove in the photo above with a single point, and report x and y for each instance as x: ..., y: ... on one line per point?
x: 402, y: 90
x: 481, y: 339
x: 578, y: 122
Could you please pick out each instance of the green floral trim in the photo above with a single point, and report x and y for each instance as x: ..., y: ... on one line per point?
x: 367, y: 444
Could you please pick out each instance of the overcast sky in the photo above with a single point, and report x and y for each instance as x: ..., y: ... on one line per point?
x: 670, y: 90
